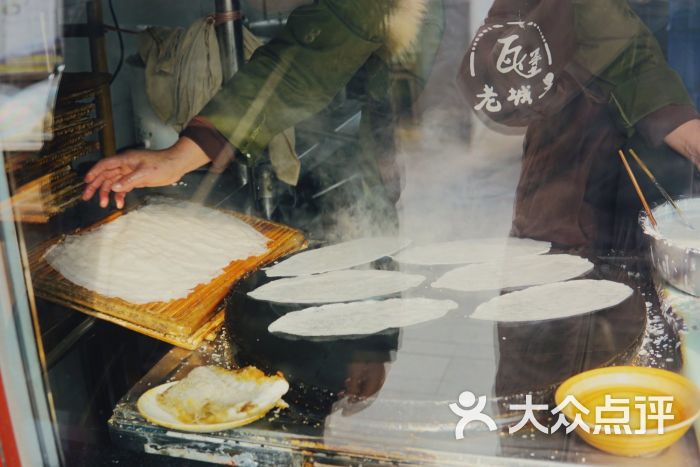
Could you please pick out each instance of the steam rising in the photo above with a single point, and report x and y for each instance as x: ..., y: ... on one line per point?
x: 453, y: 189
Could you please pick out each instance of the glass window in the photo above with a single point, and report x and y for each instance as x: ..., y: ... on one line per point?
x: 445, y: 231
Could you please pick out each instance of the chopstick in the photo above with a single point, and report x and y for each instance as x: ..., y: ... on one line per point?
x: 637, y: 188
x: 658, y: 186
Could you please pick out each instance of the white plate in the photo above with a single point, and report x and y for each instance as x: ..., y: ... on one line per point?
x: 152, y: 411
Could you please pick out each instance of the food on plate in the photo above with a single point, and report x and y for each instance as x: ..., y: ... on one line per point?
x: 211, y: 398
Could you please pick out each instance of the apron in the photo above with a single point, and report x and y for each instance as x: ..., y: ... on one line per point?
x: 569, y: 177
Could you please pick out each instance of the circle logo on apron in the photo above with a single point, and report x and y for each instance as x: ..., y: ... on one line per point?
x: 508, y: 68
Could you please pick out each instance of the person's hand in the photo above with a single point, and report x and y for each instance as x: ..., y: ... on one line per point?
x: 686, y: 140
x: 142, y: 168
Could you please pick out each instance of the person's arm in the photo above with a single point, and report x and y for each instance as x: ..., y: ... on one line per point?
x: 620, y: 51
x: 294, y: 76
x: 685, y: 139
x: 286, y: 81
x: 139, y: 168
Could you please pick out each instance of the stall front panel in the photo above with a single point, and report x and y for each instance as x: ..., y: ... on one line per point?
x: 349, y: 232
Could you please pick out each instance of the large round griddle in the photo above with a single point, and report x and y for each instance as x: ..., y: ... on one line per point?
x: 317, y: 369
x: 531, y: 356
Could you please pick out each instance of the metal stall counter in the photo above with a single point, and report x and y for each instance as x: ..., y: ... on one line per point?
x: 421, y: 370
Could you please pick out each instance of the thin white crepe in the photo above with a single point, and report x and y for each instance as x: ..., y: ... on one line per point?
x: 361, y: 318
x: 336, y: 286
x: 553, y: 301
x: 157, y: 253
x: 520, y: 271
x: 472, y: 251
x: 344, y: 255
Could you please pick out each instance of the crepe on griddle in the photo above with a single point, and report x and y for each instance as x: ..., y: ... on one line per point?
x: 336, y: 286
x: 337, y: 257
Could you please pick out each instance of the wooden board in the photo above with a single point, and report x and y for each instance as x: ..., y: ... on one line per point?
x: 184, y: 322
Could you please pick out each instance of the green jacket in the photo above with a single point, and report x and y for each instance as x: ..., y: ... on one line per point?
x: 599, y: 47
x: 321, y: 48
x: 620, y: 51
x: 609, y: 80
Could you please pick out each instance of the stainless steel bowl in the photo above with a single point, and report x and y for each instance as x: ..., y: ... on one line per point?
x: 679, y: 265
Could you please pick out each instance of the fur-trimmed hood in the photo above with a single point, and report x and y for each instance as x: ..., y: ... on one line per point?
x: 403, y: 26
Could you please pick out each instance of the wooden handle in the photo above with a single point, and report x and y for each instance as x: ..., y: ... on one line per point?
x: 642, y: 165
x: 636, y: 187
